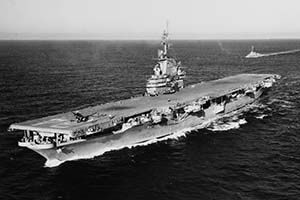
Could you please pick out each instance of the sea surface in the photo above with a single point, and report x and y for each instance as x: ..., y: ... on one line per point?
x: 249, y: 156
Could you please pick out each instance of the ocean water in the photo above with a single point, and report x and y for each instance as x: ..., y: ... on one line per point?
x: 250, y: 155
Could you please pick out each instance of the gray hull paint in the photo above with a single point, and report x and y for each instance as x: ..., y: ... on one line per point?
x: 136, y: 136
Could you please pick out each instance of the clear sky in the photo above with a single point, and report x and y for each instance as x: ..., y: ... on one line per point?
x: 130, y: 19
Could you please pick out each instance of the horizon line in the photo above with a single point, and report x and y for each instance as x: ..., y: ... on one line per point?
x: 140, y: 39
x: 149, y: 36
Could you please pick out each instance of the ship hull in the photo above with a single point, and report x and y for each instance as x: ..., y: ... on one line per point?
x: 140, y: 135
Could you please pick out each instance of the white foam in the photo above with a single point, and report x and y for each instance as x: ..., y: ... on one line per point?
x: 227, y: 123
x: 281, y: 101
x: 242, y: 121
x: 261, y: 116
x: 227, y: 126
x: 286, y: 106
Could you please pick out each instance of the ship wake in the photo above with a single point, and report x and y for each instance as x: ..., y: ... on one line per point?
x: 226, y: 124
x: 253, y: 54
x: 282, y: 52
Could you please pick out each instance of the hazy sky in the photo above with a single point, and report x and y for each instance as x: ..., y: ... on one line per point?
x: 200, y: 19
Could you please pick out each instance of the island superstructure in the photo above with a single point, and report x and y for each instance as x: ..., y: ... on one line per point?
x: 166, y: 109
x: 168, y: 75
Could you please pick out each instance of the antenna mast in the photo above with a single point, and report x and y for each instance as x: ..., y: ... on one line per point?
x: 165, y: 39
x: 167, y: 27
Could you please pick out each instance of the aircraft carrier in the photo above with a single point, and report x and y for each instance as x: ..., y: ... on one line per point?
x: 166, y: 108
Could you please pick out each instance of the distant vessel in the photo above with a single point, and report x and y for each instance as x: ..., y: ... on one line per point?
x: 254, y: 54
x: 166, y: 109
